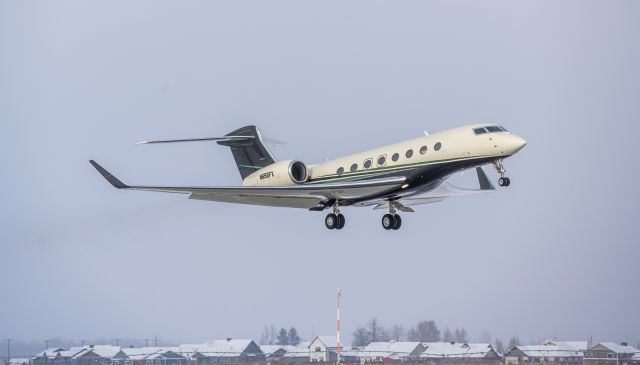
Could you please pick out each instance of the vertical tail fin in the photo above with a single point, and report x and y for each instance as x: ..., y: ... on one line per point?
x: 250, y: 154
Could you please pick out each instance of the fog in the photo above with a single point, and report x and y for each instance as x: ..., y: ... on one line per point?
x: 555, y: 254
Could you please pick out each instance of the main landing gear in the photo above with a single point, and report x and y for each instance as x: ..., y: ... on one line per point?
x: 391, y: 220
x: 335, y: 220
x: 502, y: 181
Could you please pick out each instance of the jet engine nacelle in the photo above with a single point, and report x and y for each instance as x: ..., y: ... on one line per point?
x: 281, y: 173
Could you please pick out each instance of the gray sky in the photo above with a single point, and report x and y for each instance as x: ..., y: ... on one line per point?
x: 554, y: 254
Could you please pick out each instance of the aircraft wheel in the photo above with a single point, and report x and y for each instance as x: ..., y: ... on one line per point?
x: 341, y: 221
x: 503, y: 181
x: 388, y: 221
x: 331, y: 221
x: 398, y: 222
x: 508, y: 181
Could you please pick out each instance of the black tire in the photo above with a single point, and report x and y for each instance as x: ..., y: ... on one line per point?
x: 398, y: 222
x: 502, y: 181
x: 508, y: 181
x: 388, y: 221
x: 331, y: 221
x: 341, y: 221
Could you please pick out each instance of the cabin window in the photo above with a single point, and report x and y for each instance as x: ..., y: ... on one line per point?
x: 494, y: 128
x: 395, y: 156
x: 367, y: 163
x: 381, y: 160
x: 437, y: 146
x: 354, y: 167
x: 423, y: 150
x: 409, y: 153
x: 340, y: 171
x: 479, y: 131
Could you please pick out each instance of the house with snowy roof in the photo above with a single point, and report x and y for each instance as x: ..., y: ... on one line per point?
x: 149, y: 356
x: 286, y: 354
x: 578, y: 345
x: 57, y: 356
x: 226, y: 351
x: 96, y: 355
x: 323, y: 349
x: 445, y: 351
x: 610, y: 353
x: 394, y: 350
x: 546, y: 353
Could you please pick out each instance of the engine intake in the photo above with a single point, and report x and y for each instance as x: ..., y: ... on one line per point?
x: 281, y: 173
x: 298, y: 172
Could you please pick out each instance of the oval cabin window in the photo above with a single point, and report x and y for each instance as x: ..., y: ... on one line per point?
x: 354, y: 167
x: 423, y: 150
x: 367, y: 163
x: 381, y: 160
x: 409, y: 153
x: 395, y: 156
x: 438, y: 146
x: 340, y: 171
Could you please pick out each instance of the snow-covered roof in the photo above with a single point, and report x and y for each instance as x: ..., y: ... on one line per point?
x: 578, y: 345
x: 218, y: 348
x: 558, y: 350
x: 449, y: 349
x: 18, y: 361
x: 51, y: 352
x: 328, y: 341
x: 140, y: 353
x: 288, y: 350
x: 106, y: 351
x: 270, y: 349
x: 620, y: 349
x: 389, y: 349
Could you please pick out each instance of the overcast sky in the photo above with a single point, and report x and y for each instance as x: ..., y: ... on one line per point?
x: 555, y: 254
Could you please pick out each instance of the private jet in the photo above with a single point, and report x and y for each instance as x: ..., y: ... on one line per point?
x: 395, y: 177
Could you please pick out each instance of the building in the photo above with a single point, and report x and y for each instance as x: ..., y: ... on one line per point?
x: 96, y: 355
x: 609, y: 353
x: 392, y: 350
x: 149, y: 356
x: 452, y: 352
x: 551, y: 352
x: 224, y: 351
x: 286, y: 354
x: 323, y: 349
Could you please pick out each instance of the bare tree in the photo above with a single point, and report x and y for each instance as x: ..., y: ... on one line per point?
x: 461, y: 335
x: 424, y: 331
x: 268, y: 335
x: 360, y: 337
x: 376, y: 331
x: 397, y: 332
x: 447, y: 335
x: 513, y: 342
x: 499, y: 346
x: 485, y: 337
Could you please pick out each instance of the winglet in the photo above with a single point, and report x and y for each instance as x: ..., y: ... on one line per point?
x: 110, y: 178
x: 485, y: 184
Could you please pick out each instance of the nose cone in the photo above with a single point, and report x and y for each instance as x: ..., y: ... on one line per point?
x: 516, y: 143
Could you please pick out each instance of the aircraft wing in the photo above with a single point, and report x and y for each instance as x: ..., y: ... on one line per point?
x: 442, y: 192
x: 295, y: 196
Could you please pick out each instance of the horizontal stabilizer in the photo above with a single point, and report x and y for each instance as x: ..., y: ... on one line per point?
x: 214, y: 139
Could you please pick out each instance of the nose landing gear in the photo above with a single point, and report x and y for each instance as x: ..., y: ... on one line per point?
x: 502, y: 181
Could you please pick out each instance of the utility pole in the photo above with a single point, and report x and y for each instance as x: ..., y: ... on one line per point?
x: 117, y: 341
x: 338, y: 324
x: 8, y: 350
x: 46, y: 342
x: 155, y: 341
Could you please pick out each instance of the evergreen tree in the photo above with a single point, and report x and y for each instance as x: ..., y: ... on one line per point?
x: 294, y: 339
x: 283, y: 337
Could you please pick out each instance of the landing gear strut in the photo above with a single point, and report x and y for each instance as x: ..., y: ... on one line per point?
x: 502, y: 181
x: 391, y: 220
x: 335, y: 220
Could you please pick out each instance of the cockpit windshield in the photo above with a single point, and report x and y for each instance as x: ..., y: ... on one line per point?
x: 489, y: 129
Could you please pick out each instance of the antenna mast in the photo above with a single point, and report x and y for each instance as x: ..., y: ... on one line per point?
x: 338, y: 333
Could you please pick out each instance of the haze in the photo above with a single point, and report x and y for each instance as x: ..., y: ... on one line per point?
x: 555, y: 254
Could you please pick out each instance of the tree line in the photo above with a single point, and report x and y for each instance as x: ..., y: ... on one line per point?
x: 423, y: 331
x: 282, y: 337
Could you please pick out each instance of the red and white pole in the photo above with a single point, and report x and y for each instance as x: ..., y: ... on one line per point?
x: 338, y: 318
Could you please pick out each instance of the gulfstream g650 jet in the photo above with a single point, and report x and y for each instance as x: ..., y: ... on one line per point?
x: 395, y: 177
